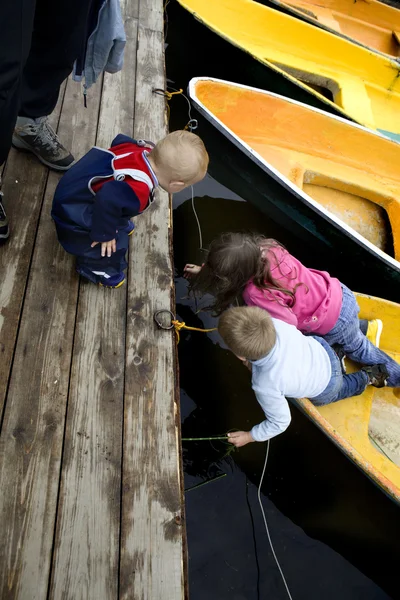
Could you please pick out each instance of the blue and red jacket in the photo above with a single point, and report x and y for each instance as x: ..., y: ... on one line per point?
x: 101, y: 192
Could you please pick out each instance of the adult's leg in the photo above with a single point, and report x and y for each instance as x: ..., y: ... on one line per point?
x: 16, y: 25
x: 357, y: 347
x: 58, y: 37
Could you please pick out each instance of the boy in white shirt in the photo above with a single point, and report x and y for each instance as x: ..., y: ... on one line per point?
x: 284, y: 362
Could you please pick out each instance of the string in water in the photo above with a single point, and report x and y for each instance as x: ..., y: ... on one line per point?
x: 266, y: 524
x: 205, y: 439
x: 198, y: 223
x: 195, y: 487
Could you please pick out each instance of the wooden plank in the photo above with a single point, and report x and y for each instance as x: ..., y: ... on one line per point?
x: 23, y: 186
x: 32, y: 435
x: 86, y: 554
x: 152, y: 532
x: 151, y: 16
x: 129, y: 12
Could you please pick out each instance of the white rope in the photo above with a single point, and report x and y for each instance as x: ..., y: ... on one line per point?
x: 192, y: 124
x: 266, y: 524
x: 198, y: 222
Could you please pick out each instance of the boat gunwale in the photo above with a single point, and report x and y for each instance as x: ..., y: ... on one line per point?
x: 277, y: 175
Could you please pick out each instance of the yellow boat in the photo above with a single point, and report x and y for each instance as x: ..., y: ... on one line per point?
x: 370, y: 23
x: 363, y: 85
x: 311, y: 173
x: 367, y: 427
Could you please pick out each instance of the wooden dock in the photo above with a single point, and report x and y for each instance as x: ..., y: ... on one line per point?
x: 91, y: 498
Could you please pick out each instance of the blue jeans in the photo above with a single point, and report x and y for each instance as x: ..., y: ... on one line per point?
x: 340, y: 386
x: 357, y: 347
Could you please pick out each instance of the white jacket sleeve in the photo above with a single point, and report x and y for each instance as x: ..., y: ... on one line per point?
x: 276, y: 409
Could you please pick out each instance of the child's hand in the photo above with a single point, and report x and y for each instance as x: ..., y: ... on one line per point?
x: 191, y: 271
x: 240, y: 438
x: 106, y: 247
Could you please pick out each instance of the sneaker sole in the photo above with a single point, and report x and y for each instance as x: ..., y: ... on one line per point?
x: 113, y: 287
x: 20, y: 145
x: 4, y: 236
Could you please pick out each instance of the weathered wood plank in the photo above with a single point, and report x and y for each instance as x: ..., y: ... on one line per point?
x: 131, y: 11
x: 86, y: 554
x: 151, y: 16
x: 152, y: 534
x: 23, y: 186
x: 85, y: 563
x: 32, y: 434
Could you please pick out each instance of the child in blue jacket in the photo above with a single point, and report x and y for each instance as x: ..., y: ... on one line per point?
x: 95, y: 200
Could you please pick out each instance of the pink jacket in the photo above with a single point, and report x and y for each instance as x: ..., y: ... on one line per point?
x: 318, y: 301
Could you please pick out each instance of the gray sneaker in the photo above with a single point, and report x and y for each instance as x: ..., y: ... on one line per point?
x: 37, y: 136
x: 4, y: 229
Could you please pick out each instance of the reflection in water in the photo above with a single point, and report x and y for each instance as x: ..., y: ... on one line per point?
x: 335, y: 534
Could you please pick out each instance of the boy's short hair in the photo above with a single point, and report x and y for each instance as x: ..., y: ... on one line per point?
x: 182, y: 155
x: 248, y: 331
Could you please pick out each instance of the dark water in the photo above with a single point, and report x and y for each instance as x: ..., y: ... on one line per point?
x: 336, y: 535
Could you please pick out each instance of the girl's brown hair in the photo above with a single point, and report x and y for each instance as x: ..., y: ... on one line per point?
x: 233, y: 260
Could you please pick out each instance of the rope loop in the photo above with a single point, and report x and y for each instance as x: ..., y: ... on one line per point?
x: 168, y: 95
x: 191, y: 125
x: 177, y: 325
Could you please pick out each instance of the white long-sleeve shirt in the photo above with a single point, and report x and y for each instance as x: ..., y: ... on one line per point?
x: 296, y: 367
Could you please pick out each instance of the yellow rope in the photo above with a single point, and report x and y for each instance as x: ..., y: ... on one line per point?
x: 181, y: 325
x: 169, y: 95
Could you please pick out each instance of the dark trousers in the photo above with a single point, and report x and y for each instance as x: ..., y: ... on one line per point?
x: 91, y: 260
x: 39, y: 43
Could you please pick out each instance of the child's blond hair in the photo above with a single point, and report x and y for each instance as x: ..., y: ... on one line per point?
x: 182, y: 156
x: 248, y: 331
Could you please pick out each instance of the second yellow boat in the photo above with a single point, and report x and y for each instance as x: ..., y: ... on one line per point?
x: 364, y: 85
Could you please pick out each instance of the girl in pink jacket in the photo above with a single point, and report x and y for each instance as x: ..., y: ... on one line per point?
x: 263, y: 273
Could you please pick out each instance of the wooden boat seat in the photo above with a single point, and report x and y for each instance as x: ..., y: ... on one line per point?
x: 305, y: 171
x: 396, y: 35
x: 347, y: 203
x: 384, y: 422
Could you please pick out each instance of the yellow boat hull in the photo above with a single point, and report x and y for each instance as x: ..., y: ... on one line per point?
x: 332, y: 150
x: 373, y: 24
x: 364, y: 85
x: 323, y: 156
x: 367, y: 427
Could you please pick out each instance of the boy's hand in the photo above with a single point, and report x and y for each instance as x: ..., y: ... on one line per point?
x: 191, y: 271
x: 240, y: 438
x: 106, y: 247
